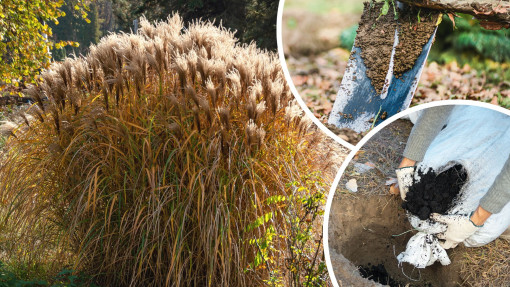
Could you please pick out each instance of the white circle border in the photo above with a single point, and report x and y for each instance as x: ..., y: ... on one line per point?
x: 293, y: 89
x: 368, y: 137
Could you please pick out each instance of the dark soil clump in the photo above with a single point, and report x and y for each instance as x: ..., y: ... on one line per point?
x: 375, y: 37
x: 434, y: 193
x: 416, y: 25
x: 378, y: 274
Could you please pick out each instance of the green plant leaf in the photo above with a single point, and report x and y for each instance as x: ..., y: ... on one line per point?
x: 385, y: 8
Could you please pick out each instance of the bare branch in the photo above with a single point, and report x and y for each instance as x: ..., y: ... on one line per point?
x: 491, y: 13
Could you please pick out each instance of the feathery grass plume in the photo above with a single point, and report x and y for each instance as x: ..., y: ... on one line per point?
x: 192, y: 60
x: 211, y: 90
x: 219, y: 69
x: 35, y: 94
x: 251, y: 106
x: 154, y: 178
x: 146, y: 28
x: 235, y: 82
x: 181, y: 66
x: 225, y: 116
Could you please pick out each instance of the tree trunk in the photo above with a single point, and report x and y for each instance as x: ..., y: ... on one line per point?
x: 495, y: 13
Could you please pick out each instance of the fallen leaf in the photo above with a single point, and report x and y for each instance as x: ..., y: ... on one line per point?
x: 344, y: 137
x: 370, y: 164
x: 362, y: 168
x: 358, y: 154
x: 452, y: 18
x: 503, y: 9
x: 324, y: 85
x: 394, y: 189
x: 352, y: 185
x: 299, y: 80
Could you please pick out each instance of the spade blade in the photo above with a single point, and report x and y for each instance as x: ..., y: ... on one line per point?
x: 359, y: 106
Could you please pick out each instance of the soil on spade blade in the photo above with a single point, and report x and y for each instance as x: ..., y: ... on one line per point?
x: 376, y: 35
x: 435, y: 193
x: 416, y: 25
x: 369, y: 230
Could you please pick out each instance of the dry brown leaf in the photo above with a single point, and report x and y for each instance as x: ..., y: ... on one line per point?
x: 493, y: 25
x: 502, y: 9
x: 394, y: 190
x: 371, y: 164
x: 452, y: 18
x: 324, y: 85
x: 299, y: 80
x: 358, y: 154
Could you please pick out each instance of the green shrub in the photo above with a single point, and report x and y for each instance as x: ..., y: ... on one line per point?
x: 469, y: 37
x: 347, y: 37
x: 65, y: 278
x: 152, y: 156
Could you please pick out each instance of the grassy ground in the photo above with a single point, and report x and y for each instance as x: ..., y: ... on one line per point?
x: 382, y: 154
x: 488, y: 265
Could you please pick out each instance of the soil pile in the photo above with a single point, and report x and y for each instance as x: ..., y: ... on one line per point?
x: 375, y: 37
x: 416, y: 25
x: 378, y: 274
x: 434, y: 193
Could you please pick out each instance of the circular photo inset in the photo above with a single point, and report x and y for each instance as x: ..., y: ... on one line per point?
x: 424, y: 201
x: 355, y: 64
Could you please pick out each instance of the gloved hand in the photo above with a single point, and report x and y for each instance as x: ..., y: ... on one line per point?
x: 459, y: 228
x: 405, y: 177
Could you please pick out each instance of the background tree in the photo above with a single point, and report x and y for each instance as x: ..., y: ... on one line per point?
x: 24, y: 32
x: 74, y: 27
x: 253, y: 20
x: 262, y: 16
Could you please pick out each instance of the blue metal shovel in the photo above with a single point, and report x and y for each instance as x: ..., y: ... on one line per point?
x: 358, y: 106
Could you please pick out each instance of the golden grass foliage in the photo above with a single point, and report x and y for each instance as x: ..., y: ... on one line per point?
x: 151, y: 156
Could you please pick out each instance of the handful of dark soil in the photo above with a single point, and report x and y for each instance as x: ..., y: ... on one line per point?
x: 434, y: 193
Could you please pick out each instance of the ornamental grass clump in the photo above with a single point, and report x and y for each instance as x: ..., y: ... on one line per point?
x: 147, y: 160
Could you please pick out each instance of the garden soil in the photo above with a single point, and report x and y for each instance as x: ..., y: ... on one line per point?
x: 369, y: 231
x: 435, y: 193
x: 416, y: 25
x: 375, y: 37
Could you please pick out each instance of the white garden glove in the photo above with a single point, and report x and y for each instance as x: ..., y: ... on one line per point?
x: 405, y: 177
x: 459, y: 228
